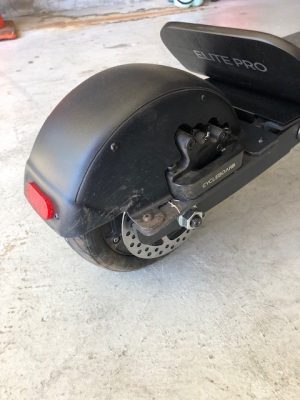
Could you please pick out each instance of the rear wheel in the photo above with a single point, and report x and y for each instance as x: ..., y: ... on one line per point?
x: 118, y: 246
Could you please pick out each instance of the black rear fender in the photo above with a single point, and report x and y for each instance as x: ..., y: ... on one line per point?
x: 107, y: 144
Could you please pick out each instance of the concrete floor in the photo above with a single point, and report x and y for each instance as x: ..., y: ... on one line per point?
x: 217, y: 319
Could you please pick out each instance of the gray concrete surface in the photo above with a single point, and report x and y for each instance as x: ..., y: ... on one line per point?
x: 218, y: 319
x: 14, y: 8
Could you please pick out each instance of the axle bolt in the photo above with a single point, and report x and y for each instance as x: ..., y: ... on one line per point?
x: 196, y: 221
x: 191, y: 219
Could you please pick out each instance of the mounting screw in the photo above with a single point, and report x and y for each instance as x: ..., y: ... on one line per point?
x: 191, y: 144
x: 298, y: 134
x: 114, y: 147
x: 172, y: 167
x: 147, y: 217
x: 203, y: 97
x: 116, y: 239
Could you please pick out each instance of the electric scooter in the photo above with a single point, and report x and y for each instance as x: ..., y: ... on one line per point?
x: 129, y: 162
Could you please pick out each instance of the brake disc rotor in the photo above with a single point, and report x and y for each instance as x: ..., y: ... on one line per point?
x: 142, y: 250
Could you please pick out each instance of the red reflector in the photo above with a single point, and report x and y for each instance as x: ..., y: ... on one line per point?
x: 42, y: 204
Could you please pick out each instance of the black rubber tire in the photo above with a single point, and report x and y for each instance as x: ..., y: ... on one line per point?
x: 94, y: 248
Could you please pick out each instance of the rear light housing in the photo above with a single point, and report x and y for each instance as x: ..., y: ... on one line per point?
x: 40, y: 202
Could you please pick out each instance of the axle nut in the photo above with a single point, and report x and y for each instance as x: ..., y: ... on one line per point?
x: 196, y: 221
x: 191, y: 219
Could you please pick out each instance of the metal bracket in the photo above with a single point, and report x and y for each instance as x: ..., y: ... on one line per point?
x: 207, y: 158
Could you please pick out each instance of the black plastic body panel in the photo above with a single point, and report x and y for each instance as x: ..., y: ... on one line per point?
x: 134, y: 109
x: 256, y: 61
x: 271, y: 108
x: 252, y: 167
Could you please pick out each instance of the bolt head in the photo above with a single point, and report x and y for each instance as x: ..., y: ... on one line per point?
x: 114, y: 147
x: 191, y: 219
x: 116, y: 239
x: 196, y: 221
x: 172, y: 167
x: 191, y: 144
x: 147, y: 217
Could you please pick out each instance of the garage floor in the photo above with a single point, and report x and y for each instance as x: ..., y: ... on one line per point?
x: 217, y: 319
